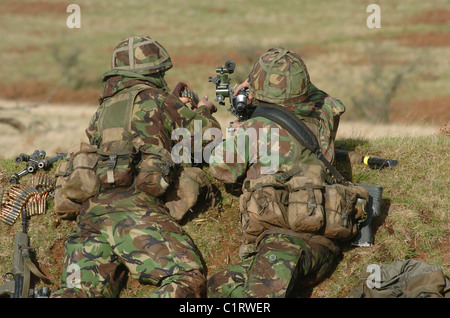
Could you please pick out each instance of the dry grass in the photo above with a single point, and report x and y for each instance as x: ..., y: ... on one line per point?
x: 52, y: 128
x: 55, y: 127
x: 337, y: 47
x: 414, y: 219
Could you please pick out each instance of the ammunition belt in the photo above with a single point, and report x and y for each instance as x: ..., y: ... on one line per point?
x: 33, y: 199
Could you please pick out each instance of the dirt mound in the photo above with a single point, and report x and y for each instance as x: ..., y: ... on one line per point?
x: 426, y: 39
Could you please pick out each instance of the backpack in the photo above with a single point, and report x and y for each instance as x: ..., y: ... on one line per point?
x: 122, y: 159
x: 117, y: 148
x: 301, y: 201
x: 402, y: 279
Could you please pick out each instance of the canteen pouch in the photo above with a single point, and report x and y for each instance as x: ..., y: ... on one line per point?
x: 115, y: 164
x: 344, y: 210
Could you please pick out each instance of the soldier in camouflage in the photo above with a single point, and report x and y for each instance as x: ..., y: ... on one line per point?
x: 124, y: 229
x: 277, y: 262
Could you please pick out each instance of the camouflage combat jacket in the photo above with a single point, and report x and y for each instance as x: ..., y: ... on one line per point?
x: 320, y: 112
x: 157, y: 113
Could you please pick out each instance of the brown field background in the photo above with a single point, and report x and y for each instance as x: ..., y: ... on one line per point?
x: 51, y: 74
x: 51, y: 81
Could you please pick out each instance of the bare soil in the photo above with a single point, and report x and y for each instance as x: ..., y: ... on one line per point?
x: 33, y: 7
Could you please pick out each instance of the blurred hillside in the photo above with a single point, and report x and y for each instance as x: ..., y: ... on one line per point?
x: 394, y: 81
x: 399, y: 72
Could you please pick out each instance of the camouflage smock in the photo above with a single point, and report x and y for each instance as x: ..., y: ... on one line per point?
x: 280, y: 263
x: 320, y: 112
x: 125, y: 229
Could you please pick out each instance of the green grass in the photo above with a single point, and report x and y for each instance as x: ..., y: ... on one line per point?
x: 414, y: 221
x: 413, y: 224
x: 335, y: 43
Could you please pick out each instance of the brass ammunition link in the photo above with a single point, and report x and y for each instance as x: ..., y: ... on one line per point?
x: 33, y: 199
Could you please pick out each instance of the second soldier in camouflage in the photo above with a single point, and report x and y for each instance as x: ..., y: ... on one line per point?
x: 276, y: 261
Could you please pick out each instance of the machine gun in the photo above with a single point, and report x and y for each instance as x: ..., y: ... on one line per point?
x: 35, y: 161
x: 238, y: 104
x: 18, y: 282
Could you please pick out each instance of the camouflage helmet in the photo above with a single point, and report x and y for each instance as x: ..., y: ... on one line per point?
x: 279, y: 76
x: 141, y: 54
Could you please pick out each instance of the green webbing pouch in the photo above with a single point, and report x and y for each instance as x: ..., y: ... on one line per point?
x: 117, y: 152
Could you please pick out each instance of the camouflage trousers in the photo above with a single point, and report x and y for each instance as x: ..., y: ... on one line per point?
x: 279, y: 265
x: 147, y: 243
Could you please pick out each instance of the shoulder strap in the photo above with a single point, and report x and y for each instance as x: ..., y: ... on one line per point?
x: 297, y: 128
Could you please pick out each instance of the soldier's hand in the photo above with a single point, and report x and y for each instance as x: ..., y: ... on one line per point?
x: 242, y: 85
x: 181, y: 86
x: 185, y: 94
x: 205, y: 102
x: 236, y: 124
x: 184, y: 100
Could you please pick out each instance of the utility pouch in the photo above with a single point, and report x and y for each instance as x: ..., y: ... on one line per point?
x: 154, y: 172
x: 305, y: 210
x: 76, y: 180
x: 344, y: 210
x: 117, y: 147
x: 263, y: 206
x: 186, y: 190
x: 115, y: 165
x: 64, y: 207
